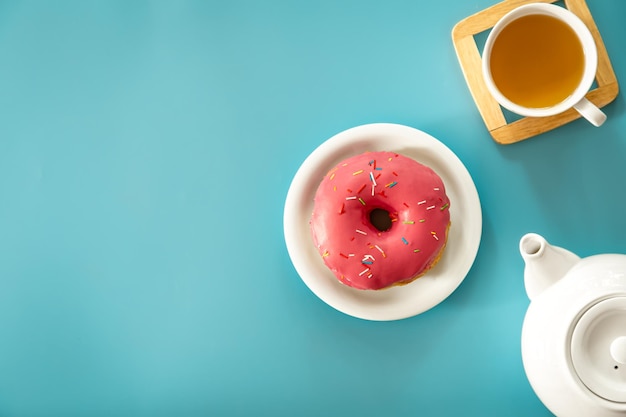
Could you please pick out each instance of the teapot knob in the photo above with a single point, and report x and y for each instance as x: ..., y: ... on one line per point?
x: 618, y: 350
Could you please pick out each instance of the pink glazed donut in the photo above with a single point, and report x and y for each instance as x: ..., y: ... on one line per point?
x: 380, y: 219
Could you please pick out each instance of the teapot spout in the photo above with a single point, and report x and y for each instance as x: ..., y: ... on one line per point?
x: 545, y: 264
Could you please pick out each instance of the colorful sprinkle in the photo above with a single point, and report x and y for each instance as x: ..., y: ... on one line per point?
x: 445, y: 206
x: 391, y: 184
x: 361, y: 189
x: 430, y: 207
x: 367, y: 258
x: 421, y: 202
x: 406, y: 242
x: 361, y: 232
x: 363, y: 272
x: 361, y: 200
x: 360, y: 171
x: 408, y: 222
x: 436, y: 188
x: 372, y: 178
x: 415, y: 250
x: 325, y: 254
x: 434, y: 235
x: 344, y: 255
x: 422, y: 220
x: 332, y: 176
x: 351, y: 198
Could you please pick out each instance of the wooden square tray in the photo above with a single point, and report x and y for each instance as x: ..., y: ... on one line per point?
x: 470, y: 59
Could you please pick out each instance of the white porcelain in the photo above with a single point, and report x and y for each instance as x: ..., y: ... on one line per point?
x: 396, y: 302
x: 577, y: 100
x: 574, y: 332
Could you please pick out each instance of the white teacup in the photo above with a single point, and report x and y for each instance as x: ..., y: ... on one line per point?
x: 589, y: 62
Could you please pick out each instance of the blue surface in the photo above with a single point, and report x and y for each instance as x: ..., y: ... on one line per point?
x: 146, y: 149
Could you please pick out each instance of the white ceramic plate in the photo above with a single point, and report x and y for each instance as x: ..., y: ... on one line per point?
x: 396, y: 302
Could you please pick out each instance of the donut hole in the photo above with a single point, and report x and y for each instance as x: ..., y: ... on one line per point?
x: 380, y: 219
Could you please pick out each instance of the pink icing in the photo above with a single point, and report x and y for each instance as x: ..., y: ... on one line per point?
x: 352, y: 246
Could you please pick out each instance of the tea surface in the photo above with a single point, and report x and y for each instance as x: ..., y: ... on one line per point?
x: 537, y: 61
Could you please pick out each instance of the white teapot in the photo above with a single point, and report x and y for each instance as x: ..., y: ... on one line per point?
x: 574, y: 332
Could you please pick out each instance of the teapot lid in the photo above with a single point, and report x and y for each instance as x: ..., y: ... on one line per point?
x: 598, y: 349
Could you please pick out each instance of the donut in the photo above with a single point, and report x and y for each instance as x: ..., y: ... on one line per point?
x: 380, y: 219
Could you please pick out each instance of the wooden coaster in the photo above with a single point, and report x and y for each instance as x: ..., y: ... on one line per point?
x: 470, y: 59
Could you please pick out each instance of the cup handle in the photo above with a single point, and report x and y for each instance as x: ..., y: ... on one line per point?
x: 589, y: 111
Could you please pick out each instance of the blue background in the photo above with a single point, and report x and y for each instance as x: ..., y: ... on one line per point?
x: 146, y: 149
